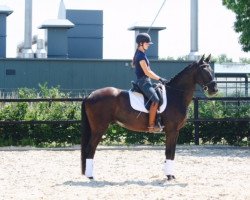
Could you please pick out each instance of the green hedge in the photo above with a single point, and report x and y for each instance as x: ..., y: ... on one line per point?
x: 233, y: 133
x: 40, y: 134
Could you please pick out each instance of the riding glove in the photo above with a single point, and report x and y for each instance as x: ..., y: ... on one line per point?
x: 163, y: 81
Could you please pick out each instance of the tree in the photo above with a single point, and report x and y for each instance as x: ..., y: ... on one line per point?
x: 242, y: 23
x: 222, y: 59
x: 245, y: 60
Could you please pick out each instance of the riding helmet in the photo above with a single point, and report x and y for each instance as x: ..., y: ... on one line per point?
x: 143, y: 37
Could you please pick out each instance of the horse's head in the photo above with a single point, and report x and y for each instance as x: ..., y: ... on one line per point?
x: 205, y: 76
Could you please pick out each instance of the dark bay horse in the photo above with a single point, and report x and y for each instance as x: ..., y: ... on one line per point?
x: 112, y: 105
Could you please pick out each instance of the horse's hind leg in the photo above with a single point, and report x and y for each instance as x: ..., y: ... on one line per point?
x: 90, y: 150
x: 89, y: 154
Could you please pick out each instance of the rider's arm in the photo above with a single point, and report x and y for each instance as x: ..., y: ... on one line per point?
x: 148, y: 72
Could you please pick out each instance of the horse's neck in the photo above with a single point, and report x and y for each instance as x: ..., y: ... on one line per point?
x: 186, y: 86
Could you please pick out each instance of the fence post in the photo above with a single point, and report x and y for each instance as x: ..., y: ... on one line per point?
x: 196, y: 123
x: 81, y: 124
x: 246, y: 86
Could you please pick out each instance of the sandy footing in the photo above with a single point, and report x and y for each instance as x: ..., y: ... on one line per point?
x: 202, y: 172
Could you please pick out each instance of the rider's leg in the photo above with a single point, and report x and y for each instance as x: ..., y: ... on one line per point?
x: 147, y: 87
x: 152, y: 118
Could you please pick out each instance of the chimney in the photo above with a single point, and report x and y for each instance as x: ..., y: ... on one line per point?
x: 152, y: 52
x: 193, y: 55
x: 62, y: 11
x: 56, y: 36
x: 4, y: 12
x: 27, y: 48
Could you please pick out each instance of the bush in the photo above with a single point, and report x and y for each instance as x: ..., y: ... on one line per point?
x: 233, y: 133
x: 40, y: 134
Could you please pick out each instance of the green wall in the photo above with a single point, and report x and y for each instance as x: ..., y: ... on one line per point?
x: 77, y: 74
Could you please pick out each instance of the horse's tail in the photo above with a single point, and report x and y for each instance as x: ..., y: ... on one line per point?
x: 86, y: 134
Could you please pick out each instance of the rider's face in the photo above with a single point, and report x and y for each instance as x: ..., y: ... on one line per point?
x: 146, y: 45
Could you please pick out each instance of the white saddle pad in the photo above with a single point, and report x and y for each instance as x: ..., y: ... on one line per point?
x: 137, y: 101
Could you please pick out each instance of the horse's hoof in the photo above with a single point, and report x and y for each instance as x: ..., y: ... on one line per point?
x: 170, y: 177
x: 91, y: 177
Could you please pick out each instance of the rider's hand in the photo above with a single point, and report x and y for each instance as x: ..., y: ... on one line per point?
x: 163, y: 81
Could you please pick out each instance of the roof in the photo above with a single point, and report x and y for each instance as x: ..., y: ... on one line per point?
x: 5, y: 10
x: 232, y: 68
x: 147, y: 27
x: 56, y: 23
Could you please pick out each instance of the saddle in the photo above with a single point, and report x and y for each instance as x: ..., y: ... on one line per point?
x: 147, y: 102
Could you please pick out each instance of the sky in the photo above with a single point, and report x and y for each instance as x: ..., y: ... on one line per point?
x: 216, y: 33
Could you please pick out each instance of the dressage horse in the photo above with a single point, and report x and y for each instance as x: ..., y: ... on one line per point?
x: 111, y: 105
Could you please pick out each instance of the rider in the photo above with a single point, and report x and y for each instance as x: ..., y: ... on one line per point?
x: 144, y: 75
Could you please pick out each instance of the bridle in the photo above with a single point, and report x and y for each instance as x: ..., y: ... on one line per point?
x: 205, y: 86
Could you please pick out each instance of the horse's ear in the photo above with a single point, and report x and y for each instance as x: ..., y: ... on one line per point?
x: 202, y: 59
x: 207, y: 60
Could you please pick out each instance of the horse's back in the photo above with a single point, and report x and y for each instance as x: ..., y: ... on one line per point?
x: 103, y: 99
x: 107, y: 92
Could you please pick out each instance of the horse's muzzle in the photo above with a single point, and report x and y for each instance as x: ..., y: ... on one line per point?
x: 211, y: 88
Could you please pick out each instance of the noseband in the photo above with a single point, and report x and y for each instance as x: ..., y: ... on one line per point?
x: 205, y: 86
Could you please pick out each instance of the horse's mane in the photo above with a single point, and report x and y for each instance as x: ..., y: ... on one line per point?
x: 181, y: 73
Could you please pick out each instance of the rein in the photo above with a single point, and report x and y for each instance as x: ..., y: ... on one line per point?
x: 180, y: 90
x: 205, y: 86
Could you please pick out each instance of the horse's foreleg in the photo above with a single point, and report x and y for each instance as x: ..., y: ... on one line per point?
x: 170, y: 154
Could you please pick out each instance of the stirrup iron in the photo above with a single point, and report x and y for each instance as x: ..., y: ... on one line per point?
x: 158, y: 121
